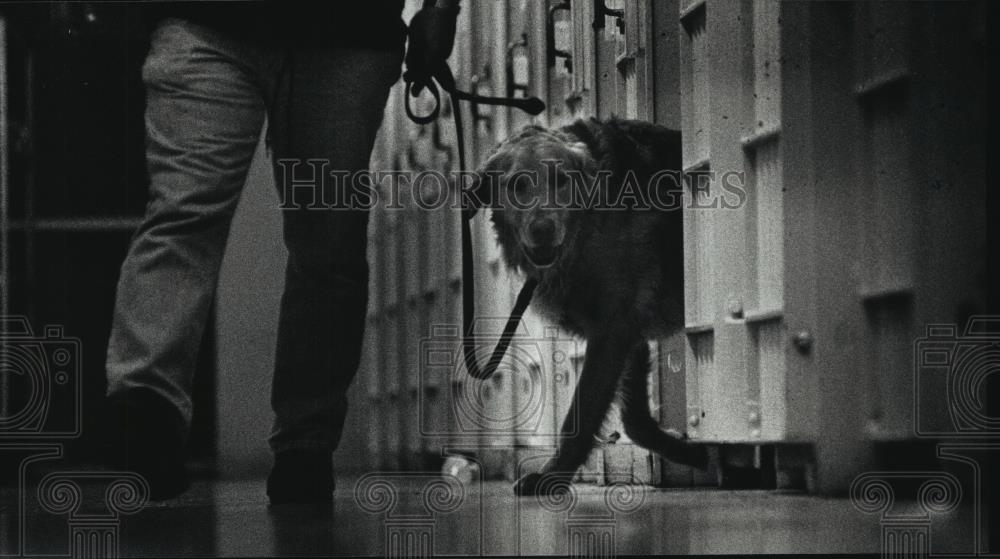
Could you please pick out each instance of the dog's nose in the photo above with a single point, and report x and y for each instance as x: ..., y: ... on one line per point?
x: 542, y: 231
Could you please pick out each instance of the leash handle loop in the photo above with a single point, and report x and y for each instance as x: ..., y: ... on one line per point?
x: 411, y: 94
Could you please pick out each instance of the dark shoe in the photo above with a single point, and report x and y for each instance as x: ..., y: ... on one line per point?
x: 301, y: 476
x: 145, y: 437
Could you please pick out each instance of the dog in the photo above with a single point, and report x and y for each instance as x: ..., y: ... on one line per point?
x: 574, y: 208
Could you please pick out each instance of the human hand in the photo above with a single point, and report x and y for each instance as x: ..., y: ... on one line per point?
x: 431, y: 39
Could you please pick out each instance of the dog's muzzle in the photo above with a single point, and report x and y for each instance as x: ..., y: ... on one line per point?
x: 542, y: 242
x: 541, y: 256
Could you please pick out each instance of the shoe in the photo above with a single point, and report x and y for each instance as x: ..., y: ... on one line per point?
x: 301, y: 476
x: 145, y: 437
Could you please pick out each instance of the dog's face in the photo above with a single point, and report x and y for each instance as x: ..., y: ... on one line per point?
x: 529, y: 181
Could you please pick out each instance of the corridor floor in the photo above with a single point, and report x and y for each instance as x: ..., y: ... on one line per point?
x: 403, y: 514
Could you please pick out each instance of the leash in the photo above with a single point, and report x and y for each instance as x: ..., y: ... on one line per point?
x: 530, y: 105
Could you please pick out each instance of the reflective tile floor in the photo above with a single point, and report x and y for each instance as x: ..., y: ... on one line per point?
x: 407, y: 514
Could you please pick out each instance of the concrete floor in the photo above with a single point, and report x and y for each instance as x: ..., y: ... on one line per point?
x: 375, y: 515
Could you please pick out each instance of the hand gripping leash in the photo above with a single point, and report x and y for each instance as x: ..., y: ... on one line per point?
x: 530, y: 105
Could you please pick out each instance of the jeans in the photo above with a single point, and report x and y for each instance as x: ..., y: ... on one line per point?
x: 207, y: 99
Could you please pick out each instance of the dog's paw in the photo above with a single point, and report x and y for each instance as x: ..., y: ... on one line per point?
x: 538, y: 484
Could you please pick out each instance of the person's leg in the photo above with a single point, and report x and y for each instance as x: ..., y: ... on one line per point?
x: 204, y: 114
x: 330, y: 109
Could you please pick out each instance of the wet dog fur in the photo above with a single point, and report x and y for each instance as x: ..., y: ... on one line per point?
x: 612, y: 275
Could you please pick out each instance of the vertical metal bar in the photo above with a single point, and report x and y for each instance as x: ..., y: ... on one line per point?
x: 4, y: 212
x: 29, y: 185
x: 4, y: 179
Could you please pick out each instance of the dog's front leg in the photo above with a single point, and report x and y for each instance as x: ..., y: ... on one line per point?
x: 602, y: 368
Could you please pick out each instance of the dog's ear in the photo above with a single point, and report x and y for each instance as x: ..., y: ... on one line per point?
x: 584, y: 159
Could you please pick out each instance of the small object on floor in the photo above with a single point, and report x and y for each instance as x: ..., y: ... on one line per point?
x: 301, y: 476
x: 146, y: 438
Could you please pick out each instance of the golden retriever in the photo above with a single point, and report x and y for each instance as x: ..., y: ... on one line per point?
x: 592, y: 210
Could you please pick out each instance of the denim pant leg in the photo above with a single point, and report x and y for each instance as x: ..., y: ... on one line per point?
x: 329, y: 108
x: 204, y: 114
